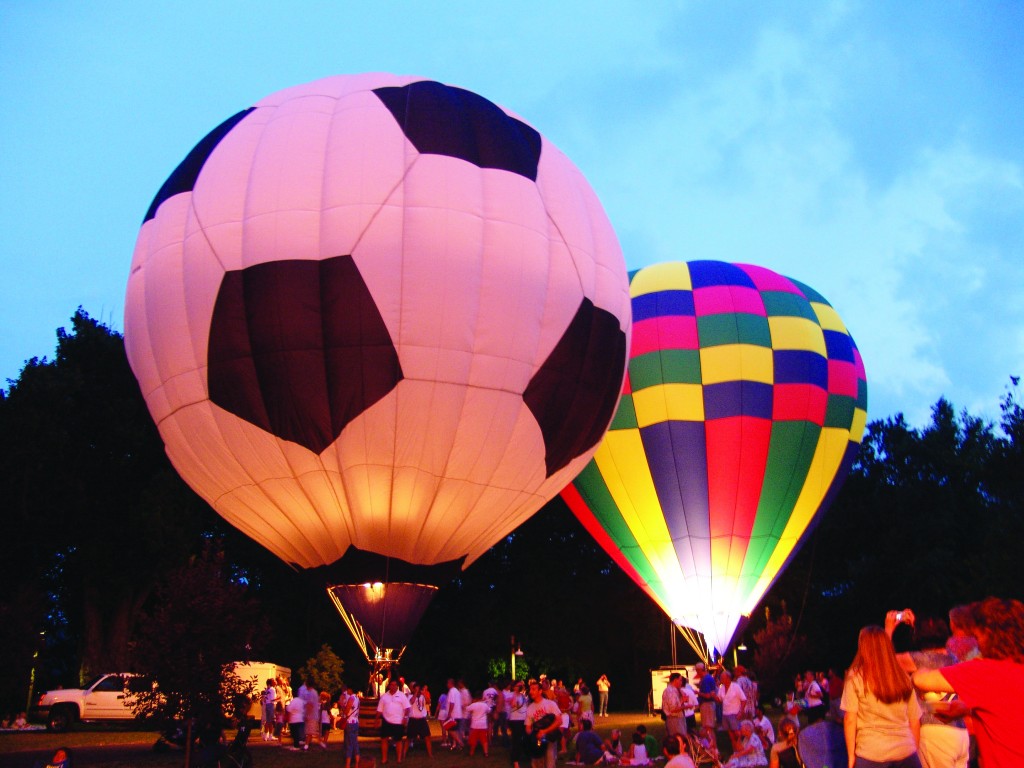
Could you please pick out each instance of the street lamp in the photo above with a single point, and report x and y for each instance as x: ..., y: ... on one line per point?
x: 516, y: 651
x: 32, y: 674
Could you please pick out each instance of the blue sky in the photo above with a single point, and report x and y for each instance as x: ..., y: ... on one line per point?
x: 874, y: 151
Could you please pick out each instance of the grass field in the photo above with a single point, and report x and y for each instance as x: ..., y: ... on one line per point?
x: 273, y: 756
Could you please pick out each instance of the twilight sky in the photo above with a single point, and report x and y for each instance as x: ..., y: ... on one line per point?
x: 874, y: 151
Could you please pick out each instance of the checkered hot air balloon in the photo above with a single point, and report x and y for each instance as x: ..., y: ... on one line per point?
x: 743, y: 408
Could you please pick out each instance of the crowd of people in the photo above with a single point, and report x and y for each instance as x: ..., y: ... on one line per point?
x: 920, y: 693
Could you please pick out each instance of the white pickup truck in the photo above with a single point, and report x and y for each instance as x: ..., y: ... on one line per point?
x: 107, y: 697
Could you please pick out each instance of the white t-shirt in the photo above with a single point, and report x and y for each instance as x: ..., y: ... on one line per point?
x: 680, y: 761
x: 393, y: 706
x: 352, y: 707
x: 477, y: 713
x: 454, y: 704
x: 766, y: 727
x: 732, y: 699
x: 535, y: 710
x: 419, y: 706
x: 690, y: 702
x: 812, y: 693
x: 517, y: 707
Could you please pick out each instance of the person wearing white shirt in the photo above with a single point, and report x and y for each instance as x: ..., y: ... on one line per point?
x: 732, y: 698
x: 394, y: 711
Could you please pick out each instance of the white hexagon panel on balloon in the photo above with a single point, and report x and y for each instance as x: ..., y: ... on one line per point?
x: 380, y: 312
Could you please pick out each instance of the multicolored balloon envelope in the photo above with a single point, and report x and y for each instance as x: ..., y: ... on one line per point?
x: 380, y: 312
x: 743, y: 407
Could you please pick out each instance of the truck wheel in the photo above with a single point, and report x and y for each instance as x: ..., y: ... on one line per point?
x: 60, y: 719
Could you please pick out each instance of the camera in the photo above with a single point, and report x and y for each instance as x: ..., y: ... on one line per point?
x: 899, y: 616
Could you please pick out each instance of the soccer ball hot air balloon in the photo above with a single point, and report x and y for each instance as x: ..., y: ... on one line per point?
x: 379, y: 313
x: 743, y: 408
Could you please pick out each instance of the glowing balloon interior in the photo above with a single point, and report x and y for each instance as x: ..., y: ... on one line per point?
x: 382, y: 617
x: 380, y: 312
x: 744, y: 404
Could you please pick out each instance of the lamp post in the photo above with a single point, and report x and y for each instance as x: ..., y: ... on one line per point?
x: 735, y: 655
x: 32, y: 674
x: 516, y: 651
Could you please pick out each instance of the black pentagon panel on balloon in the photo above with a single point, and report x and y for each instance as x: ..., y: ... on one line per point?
x: 439, y: 119
x: 183, y: 179
x: 574, y: 393
x: 299, y: 349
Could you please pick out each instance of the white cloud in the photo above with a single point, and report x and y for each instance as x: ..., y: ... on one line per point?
x: 759, y: 163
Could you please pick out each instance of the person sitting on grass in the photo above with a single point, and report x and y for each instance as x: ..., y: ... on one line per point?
x: 750, y: 753
x: 589, y: 747
x: 638, y: 754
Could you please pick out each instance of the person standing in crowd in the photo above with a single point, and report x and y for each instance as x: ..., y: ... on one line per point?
x: 348, y: 706
x: 882, y: 724
x: 603, y: 686
x: 991, y: 685
x: 540, y: 707
x: 419, y: 728
x: 672, y: 706
x: 478, y: 713
x: 451, y: 723
x: 586, y: 704
x: 269, y: 705
x: 690, y: 704
x: 707, y: 695
x: 297, y: 723
x: 467, y: 699
x: 311, y: 706
x: 945, y: 742
x: 733, y: 700
x: 501, y: 724
x: 742, y: 679
x: 815, y: 698
x: 517, y: 723
x: 393, y: 708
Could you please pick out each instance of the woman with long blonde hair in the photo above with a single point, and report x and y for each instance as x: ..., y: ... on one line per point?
x: 883, y: 718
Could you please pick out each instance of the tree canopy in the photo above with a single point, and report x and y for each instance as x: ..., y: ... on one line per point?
x: 105, y: 532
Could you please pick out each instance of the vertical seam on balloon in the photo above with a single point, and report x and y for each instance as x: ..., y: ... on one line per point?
x: 408, y: 149
x: 243, y: 225
x: 481, y: 487
x: 398, y: 185
x: 343, y: 501
x: 312, y: 549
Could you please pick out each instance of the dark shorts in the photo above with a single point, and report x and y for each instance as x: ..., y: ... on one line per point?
x: 391, y: 730
x: 908, y: 762
x: 419, y: 728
